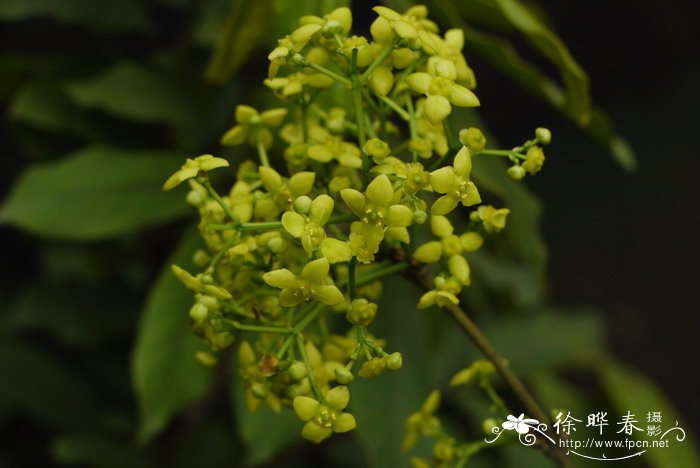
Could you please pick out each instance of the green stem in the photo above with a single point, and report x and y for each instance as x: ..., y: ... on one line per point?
x: 310, y: 316
x: 227, y: 209
x: 497, y: 400
x: 412, y: 123
x: 502, y: 153
x: 395, y: 107
x: 256, y: 328
x: 357, y: 102
x: 451, y: 142
x: 376, y: 274
x: 305, y: 358
x: 378, y: 61
x: 262, y: 152
x: 511, y: 379
x: 285, y: 346
x: 272, y: 224
x: 340, y: 79
x: 351, y: 278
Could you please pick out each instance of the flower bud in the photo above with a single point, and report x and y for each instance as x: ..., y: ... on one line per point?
x: 259, y: 390
x: 436, y: 108
x: 201, y: 258
x: 535, y: 160
x: 443, y: 450
x: 206, y: 359
x: 472, y: 138
x: 420, y: 217
x: 303, y: 204
x: 516, y: 172
x: 376, y: 148
x: 206, y: 278
x: 489, y: 425
x: 544, y: 136
x: 331, y: 28
x: 338, y: 183
x: 194, y: 198
x: 199, y: 312
x: 277, y: 245
x: 298, y: 371
x: 343, y: 376
x: 395, y: 361
x: 362, y: 312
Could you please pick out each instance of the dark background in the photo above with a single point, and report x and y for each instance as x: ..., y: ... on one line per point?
x: 626, y: 243
x: 623, y: 243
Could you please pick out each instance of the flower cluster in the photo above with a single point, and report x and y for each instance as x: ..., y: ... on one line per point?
x: 338, y: 197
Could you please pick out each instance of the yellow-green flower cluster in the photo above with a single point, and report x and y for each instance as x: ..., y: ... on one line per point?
x: 339, y: 203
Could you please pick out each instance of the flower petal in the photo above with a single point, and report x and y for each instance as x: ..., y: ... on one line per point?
x: 289, y: 298
x: 329, y: 295
x: 441, y: 226
x: 419, y: 82
x: 321, y: 209
x: 335, y: 250
x: 281, y: 278
x: 301, y: 183
x: 436, y: 108
x: 462, y: 97
x: 316, y: 271
x: 337, y: 397
x: 379, y: 191
x: 294, y: 223
x: 430, y: 252
x: 398, y: 216
x: 398, y: 233
x: 235, y: 136
x: 305, y: 407
x: 345, y: 422
x: 463, y: 163
x: 444, y: 205
x: 354, y: 199
x: 315, y: 433
x: 442, y: 179
x: 460, y: 269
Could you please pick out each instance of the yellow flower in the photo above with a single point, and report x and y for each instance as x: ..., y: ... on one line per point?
x: 323, y: 419
x: 535, y: 160
x: 192, y: 167
x: 309, y: 284
x: 378, y: 212
x: 196, y: 284
x: 423, y: 422
x: 307, y: 224
x: 440, y: 88
x: 413, y: 26
x: 494, y: 220
x: 455, y: 184
x: 253, y: 126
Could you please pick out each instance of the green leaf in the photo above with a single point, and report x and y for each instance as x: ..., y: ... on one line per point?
x: 40, y: 384
x: 165, y: 374
x: 95, y: 449
x: 264, y: 433
x: 245, y: 26
x: 75, y: 314
x: 110, y: 15
x: 548, y: 339
x: 132, y: 91
x: 95, y: 193
x: 577, y: 104
x: 45, y: 106
x: 382, y: 404
x: 631, y: 391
